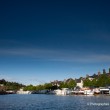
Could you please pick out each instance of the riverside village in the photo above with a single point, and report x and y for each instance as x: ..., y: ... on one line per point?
x: 97, y: 84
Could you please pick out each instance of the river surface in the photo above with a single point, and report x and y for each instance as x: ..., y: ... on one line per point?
x: 53, y: 102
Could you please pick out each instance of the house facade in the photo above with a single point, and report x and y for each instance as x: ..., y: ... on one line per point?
x: 79, y: 83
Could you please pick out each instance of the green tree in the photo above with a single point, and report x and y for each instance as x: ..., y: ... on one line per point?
x: 40, y: 87
x: 94, y: 82
x: 63, y: 85
x: 87, y: 83
x: 71, y: 84
x: 30, y: 88
x: 48, y: 86
x: 103, y: 80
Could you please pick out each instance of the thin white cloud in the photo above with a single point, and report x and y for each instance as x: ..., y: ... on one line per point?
x: 57, y: 55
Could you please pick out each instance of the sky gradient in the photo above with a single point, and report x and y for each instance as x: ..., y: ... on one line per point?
x: 41, y: 41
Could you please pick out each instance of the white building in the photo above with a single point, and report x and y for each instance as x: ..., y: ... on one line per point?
x: 79, y: 83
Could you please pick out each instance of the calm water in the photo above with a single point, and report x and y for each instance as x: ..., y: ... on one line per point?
x: 53, y: 102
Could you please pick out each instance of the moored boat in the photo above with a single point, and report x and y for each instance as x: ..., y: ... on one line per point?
x: 88, y: 92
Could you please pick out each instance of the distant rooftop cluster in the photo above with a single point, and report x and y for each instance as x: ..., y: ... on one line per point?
x: 99, y: 73
x: 80, y: 80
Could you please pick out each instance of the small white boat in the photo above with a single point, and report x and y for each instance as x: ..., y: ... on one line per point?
x: 78, y: 92
x: 63, y: 91
x: 58, y: 92
x: 23, y: 92
x: 88, y: 92
x: 96, y: 91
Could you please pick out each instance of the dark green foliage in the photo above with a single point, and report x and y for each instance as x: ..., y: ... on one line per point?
x: 48, y: 86
x: 71, y: 84
x: 63, y: 85
x: 94, y: 82
x: 29, y: 87
x: 102, y: 81
x: 11, y: 85
x: 87, y: 83
x: 2, y: 81
x: 54, y: 87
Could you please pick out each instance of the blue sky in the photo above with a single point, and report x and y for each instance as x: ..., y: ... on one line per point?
x: 41, y: 41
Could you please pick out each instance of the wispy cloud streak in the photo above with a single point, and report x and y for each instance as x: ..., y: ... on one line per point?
x: 57, y: 55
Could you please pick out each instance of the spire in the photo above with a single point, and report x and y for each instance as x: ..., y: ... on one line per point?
x: 99, y: 73
x: 104, y: 72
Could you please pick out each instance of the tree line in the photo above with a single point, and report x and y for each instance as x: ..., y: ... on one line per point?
x: 49, y: 86
x: 11, y: 85
x: 102, y: 80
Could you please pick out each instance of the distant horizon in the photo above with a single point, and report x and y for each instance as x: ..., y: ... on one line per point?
x: 41, y: 41
x: 107, y: 71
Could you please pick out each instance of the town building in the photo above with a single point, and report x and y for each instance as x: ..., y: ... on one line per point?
x: 79, y: 83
